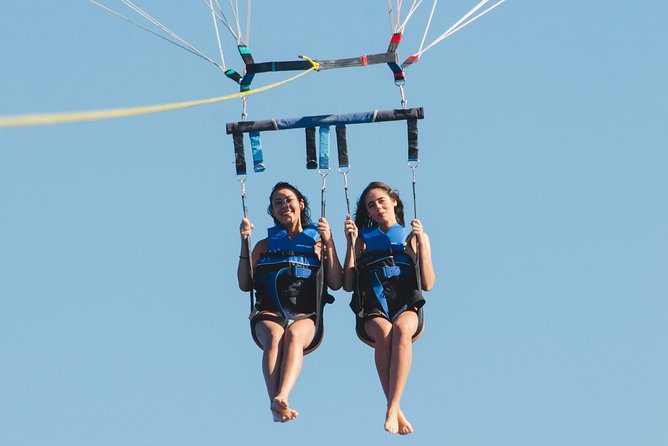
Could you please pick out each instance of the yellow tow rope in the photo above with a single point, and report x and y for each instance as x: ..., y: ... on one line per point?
x: 92, y: 115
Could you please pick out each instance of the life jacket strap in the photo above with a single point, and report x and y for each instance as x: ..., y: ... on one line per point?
x: 379, y: 291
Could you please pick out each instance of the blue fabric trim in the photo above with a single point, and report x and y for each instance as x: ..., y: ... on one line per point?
x: 315, y: 121
x: 323, y: 159
x: 256, y: 149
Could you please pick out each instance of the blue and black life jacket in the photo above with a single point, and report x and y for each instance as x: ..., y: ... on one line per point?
x: 386, y: 272
x: 286, y: 273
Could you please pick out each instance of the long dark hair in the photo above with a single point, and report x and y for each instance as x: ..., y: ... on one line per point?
x: 362, y: 219
x: 305, y: 214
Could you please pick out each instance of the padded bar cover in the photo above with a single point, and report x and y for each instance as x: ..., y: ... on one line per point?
x: 264, y: 67
x: 311, y: 160
x: 315, y: 121
x: 239, y: 158
x: 342, y: 145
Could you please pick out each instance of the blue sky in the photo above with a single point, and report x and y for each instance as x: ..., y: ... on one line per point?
x: 542, y: 185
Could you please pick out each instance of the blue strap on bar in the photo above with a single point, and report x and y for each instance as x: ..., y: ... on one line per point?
x: 323, y: 159
x: 256, y: 148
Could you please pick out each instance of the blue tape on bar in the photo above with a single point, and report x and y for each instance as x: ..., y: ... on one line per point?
x: 323, y: 159
x: 256, y: 147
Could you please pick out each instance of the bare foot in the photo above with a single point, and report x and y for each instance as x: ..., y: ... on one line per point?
x: 392, y: 421
x: 281, y: 412
x: 405, y: 427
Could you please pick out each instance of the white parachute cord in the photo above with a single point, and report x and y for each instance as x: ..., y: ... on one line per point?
x: 390, y: 12
x: 459, y: 25
x: 414, y: 7
x: 223, y: 19
x: 426, y: 30
x: 397, y: 17
x: 235, y: 10
x: 215, y: 25
x: 148, y: 17
x: 248, y: 22
x: 155, y: 33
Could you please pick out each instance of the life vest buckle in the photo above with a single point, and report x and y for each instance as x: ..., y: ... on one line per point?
x: 300, y: 272
x: 390, y: 271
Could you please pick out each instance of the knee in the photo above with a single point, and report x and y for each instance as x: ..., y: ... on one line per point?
x: 272, y: 339
x: 380, y: 334
x: 294, y: 338
x: 403, y: 332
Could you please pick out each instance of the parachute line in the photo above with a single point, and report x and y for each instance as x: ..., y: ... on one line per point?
x: 414, y: 7
x: 159, y: 25
x: 223, y: 19
x: 390, y: 12
x: 461, y: 23
x: 426, y: 30
x: 248, y: 22
x: 215, y: 25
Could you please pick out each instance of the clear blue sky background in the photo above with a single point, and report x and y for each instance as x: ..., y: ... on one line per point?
x: 542, y: 185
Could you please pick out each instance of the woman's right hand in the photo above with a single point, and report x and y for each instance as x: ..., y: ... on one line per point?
x: 245, y: 229
x: 350, y: 229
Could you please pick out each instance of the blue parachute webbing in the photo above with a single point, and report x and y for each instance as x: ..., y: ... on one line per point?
x: 256, y: 147
x: 323, y: 159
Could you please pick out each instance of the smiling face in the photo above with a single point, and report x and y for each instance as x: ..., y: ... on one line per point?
x: 286, y: 208
x: 380, y: 207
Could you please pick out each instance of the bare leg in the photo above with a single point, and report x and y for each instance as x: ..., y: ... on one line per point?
x: 380, y: 329
x: 270, y: 335
x: 297, y: 337
x: 400, y: 365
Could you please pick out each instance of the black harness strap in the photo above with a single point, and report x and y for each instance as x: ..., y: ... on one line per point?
x: 311, y: 156
x: 239, y: 156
